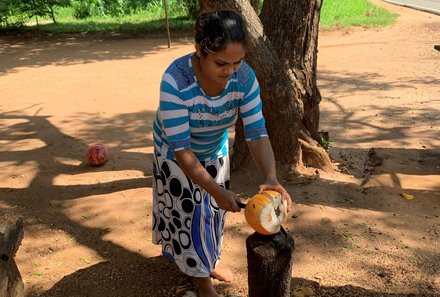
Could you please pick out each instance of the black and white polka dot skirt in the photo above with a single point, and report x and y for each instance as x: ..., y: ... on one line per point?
x: 186, y: 219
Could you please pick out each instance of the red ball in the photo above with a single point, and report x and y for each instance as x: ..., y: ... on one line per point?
x: 97, y: 154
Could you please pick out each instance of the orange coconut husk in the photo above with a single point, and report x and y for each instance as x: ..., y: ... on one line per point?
x: 265, y: 212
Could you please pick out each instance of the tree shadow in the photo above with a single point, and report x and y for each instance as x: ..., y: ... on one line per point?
x: 388, y: 123
x: 59, y: 153
x: 127, y: 275
x: 350, y: 83
x: 305, y: 286
x: 71, y: 49
x: 56, y: 154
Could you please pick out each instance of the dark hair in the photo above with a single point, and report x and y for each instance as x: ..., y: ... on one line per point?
x: 215, y: 30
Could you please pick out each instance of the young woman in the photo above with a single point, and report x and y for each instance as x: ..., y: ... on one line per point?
x: 201, y: 96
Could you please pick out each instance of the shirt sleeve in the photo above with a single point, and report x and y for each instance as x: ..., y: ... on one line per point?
x: 251, y: 109
x: 174, y: 115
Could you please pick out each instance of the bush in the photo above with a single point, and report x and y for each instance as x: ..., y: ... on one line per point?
x: 13, y: 13
x: 192, y: 7
x: 83, y: 9
x: 16, y: 13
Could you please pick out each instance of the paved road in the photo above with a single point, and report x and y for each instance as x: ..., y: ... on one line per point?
x: 425, y: 5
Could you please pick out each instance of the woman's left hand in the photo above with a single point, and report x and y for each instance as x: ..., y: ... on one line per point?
x: 276, y: 186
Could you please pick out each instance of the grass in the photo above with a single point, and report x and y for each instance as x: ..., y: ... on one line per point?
x: 347, y: 13
x: 122, y: 25
x: 334, y: 14
x: 138, y: 23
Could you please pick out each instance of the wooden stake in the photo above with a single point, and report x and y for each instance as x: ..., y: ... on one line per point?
x: 165, y: 4
x: 270, y: 259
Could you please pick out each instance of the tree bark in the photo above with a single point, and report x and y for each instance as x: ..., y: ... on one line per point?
x: 283, y: 56
x: 11, y: 234
x: 269, y: 264
x: 297, y: 45
x: 256, y: 5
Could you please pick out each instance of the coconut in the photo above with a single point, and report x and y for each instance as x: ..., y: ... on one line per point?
x: 265, y: 212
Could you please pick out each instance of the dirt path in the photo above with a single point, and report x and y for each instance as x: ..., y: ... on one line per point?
x: 88, y: 229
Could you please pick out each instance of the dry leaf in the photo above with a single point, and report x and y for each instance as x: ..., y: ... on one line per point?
x: 182, y: 288
x: 407, y: 196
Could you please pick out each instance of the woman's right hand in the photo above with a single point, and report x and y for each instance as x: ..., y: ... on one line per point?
x: 192, y: 168
x: 227, y: 200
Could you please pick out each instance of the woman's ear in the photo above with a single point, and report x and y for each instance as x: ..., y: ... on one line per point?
x: 198, y: 50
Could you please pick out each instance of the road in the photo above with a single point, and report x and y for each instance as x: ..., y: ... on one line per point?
x: 425, y: 5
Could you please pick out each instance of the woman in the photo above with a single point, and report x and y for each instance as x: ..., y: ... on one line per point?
x: 201, y: 96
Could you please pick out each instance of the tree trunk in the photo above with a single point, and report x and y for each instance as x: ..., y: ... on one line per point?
x: 52, y: 14
x: 297, y: 46
x: 284, y: 57
x: 256, y: 5
x: 270, y: 261
x: 11, y: 234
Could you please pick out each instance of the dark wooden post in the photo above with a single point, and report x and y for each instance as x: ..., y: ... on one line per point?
x: 270, y: 259
x: 165, y: 4
x: 11, y: 234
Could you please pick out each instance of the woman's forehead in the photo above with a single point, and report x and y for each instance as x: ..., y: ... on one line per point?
x: 233, y: 52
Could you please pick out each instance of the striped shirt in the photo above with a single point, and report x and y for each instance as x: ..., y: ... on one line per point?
x: 188, y: 118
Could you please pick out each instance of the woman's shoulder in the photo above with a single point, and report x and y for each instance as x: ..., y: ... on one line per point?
x: 180, y: 71
x: 245, y: 74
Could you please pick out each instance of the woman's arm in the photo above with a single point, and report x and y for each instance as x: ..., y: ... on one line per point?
x: 192, y: 168
x: 262, y: 153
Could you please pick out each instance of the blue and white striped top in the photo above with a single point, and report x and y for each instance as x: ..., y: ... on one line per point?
x: 188, y: 118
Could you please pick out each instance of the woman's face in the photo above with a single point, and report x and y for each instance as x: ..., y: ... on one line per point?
x: 218, y: 67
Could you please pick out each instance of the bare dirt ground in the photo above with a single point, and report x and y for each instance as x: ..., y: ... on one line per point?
x: 87, y: 230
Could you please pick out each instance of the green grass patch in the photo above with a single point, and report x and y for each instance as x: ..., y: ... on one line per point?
x: 114, y: 25
x: 347, y: 13
x: 135, y: 23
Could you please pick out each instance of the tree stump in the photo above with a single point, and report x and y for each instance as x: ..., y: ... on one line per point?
x: 11, y: 234
x: 270, y: 260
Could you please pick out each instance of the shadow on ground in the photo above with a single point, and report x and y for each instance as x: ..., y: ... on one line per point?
x: 301, y: 285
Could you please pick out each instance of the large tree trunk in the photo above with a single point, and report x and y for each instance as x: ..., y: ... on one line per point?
x: 283, y: 56
x: 297, y: 46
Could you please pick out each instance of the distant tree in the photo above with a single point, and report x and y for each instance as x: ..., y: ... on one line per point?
x: 18, y: 12
x: 193, y: 8
x: 13, y: 13
x: 43, y: 8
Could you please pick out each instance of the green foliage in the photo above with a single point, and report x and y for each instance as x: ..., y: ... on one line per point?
x: 175, y: 7
x: 324, y: 140
x: 83, y: 9
x: 131, y: 24
x: 193, y: 8
x: 337, y: 13
x: 17, y: 12
x: 13, y: 13
x: 108, y: 8
x: 114, y: 8
x: 115, y: 15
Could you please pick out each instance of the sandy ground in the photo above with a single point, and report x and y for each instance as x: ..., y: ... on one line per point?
x: 87, y: 230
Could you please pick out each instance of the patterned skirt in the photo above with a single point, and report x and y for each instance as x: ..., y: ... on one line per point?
x: 186, y: 219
